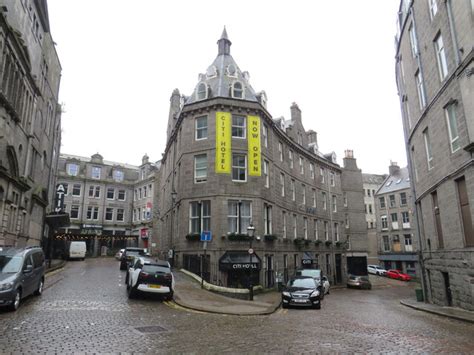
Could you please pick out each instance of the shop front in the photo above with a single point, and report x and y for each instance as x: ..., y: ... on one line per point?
x: 240, y: 266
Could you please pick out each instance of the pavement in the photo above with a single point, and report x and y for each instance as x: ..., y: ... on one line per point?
x: 189, y: 294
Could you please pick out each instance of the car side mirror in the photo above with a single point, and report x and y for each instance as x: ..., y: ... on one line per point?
x: 28, y: 269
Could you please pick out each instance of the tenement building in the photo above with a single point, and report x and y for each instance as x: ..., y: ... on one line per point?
x: 435, y: 80
x: 109, y: 203
x: 396, y: 235
x: 371, y: 183
x: 230, y: 170
x: 30, y: 125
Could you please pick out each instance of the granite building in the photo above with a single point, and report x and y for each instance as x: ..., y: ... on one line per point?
x: 229, y: 165
x: 30, y: 121
x: 109, y: 204
x: 435, y: 71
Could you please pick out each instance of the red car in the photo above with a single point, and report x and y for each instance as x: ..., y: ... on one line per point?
x: 395, y: 274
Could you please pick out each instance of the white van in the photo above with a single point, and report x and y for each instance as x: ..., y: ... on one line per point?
x: 77, y: 250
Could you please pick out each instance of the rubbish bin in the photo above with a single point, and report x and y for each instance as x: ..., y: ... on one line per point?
x: 419, y: 294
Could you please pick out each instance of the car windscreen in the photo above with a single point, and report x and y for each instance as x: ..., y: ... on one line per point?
x: 303, y: 283
x: 154, y: 269
x: 309, y: 272
x: 135, y: 252
x: 10, y: 264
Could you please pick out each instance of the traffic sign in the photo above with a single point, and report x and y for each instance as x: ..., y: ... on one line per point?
x: 206, y: 236
x: 250, y: 251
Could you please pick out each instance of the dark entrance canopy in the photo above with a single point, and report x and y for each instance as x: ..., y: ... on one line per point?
x: 239, y: 260
x: 57, y: 220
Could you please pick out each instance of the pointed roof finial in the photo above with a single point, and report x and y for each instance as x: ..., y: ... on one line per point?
x: 224, y: 44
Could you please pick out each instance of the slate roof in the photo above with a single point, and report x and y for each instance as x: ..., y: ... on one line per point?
x: 398, y: 181
x: 219, y: 80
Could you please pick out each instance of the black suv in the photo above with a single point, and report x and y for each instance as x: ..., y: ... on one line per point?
x: 21, y: 274
x: 129, y: 254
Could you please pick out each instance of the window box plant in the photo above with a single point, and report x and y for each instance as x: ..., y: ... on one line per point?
x: 237, y: 237
x: 193, y: 237
x: 328, y: 242
x: 270, y: 237
x: 317, y: 242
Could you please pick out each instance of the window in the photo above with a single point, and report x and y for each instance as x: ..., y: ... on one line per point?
x: 199, y: 216
x: 266, y: 170
x: 334, y: 203
x: 301, y: 166
x: 408, y: 242
x: 265, y: 135
x: 267, y: 218
x: 239, y: 216
x: 92, y: 213
x: 200, y: 168
x: 386, y: 243
x: 326, y: 230
x: 239, y: 167
x: 201, y: 91
x: 313, y: 198
x: 345, y: 199
x: 290, y: 158
x: 94, y: 191
x: 441, y: 57
x: 311, y: 170
x: 433, y: 4
x: 325, y: 202
x: 450, y: 112
x: 384, y: 222
x: 336, y: 232
x: 394, y: 217
x: 283, y: 217
x: 392, y: 200
x: 405, y: 217
x: 370, y: 208
x: 413, y: 42
x: 118, y: 175
x: 429, y: 154
x: 237, y: 90
x: 465, y: 209
x: 382, y: 202
x: 110, y: 193
x: 368, y: 192
x: 109, y: 214
x: 280, y: 150
x: 420, y: 89
x: 316, y: 232
x: 295, y: 226
x: 145, y: 191
x: 293, y: 190
x: 201, y: 127
x: 282, y: 184
x: 121, y: 195
x: 238, y: 126
x: 321, y: 174
x: 96, y: 172
x: 305, y: 227
x: 76, y: 190
x: 120, y: 214
x: 72, y: 169
x: 74, y: 212
x: 139, y: 193
x: 346, y: 221
x: 332, y: 179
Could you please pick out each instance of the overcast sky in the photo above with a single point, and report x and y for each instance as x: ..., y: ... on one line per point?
x: 121, y: 61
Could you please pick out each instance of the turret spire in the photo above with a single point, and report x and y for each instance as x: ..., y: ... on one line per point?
x: 224, y: 44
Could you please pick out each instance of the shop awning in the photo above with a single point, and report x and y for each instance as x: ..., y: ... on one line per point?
x: 239, y: 260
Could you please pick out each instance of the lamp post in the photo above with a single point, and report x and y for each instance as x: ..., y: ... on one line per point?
x: 250, y: 233
x: 171, y: 250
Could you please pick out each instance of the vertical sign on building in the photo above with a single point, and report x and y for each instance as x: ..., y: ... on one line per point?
x: 223, y: 142
x: 253, y: 134
x: 59, y: 201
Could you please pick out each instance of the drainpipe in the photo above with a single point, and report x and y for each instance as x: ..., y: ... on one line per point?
x: 453, y: 31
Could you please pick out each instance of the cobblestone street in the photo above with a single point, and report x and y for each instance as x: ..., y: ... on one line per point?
x: 85, y: 308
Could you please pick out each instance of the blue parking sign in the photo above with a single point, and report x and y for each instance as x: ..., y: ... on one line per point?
x: 206, y: 236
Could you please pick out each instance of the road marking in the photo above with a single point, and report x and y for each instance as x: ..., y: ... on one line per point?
x: 171, y: 304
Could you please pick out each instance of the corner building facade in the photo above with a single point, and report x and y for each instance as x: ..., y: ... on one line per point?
x: 228, y: 165
x: 435, y: 81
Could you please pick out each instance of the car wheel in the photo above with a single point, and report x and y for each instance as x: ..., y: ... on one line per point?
x: 132, y: 292
x: 318, y: 306
x: 16, y: 301
x: 39, y: 290
x: 169, y: 297
x: 284, y: 305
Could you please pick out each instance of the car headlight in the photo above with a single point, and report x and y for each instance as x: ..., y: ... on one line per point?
x: 315, y: 294
x: 286, y: 294
x: 6, y: 286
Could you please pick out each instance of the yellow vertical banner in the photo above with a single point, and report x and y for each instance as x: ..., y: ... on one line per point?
x: 223, y: 143
x: 253, y: 137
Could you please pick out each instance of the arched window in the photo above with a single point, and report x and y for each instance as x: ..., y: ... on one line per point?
x: 202, y: 91
x: 237, y: 90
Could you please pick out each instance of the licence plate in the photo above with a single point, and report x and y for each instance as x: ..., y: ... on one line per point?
x: 154, y: 286
x: 299, y: 301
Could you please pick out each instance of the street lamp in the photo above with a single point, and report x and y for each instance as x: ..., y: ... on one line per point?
x: 250, y: 233
x: 171, y: 250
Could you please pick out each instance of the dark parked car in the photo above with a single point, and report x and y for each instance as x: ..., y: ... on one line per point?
x: 317, y: 275
x: 359, y: 282
x: 128, y: 254
x: 301, y: 291
x: 21, y: 274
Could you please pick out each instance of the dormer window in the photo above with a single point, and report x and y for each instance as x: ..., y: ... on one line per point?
x: 231, y: 70
x: 237, y: 90
x: 201, y: 91
x: 211, y: 72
